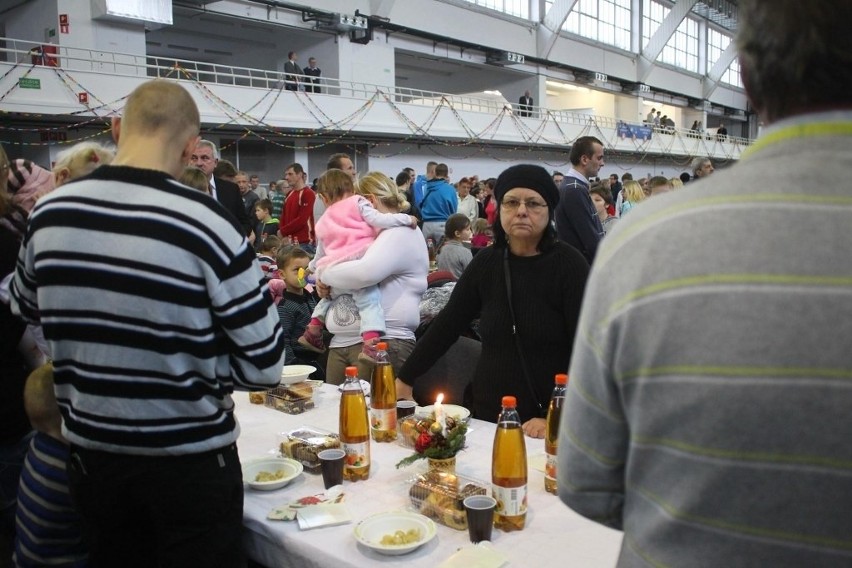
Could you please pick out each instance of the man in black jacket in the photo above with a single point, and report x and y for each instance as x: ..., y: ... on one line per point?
x: 205, y: 157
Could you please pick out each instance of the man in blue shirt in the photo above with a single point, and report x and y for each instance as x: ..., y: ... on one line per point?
x: 438, y: 203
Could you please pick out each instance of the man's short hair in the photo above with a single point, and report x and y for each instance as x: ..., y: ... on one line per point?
x: 211, y: 145
x: 583, y: 146
x: 253, y: 176
x: 402, y: 178
x: 225, y: 169
x: 296, y: 167
x: 430, y: 167
x: 442, y: 170
x: 557, y: 173
x: 795, y: 56
x: 657, y: 181
x: 161, y: 106
x: 290, y: 54
x: 335, y: 161
x: 627, y: 177
x: 698, y: 163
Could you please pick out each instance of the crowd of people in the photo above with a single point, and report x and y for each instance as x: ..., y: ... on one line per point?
x: 705, y: 410
x: 322, y: 272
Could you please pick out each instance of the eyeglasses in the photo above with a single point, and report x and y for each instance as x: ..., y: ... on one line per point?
x: 531, y: 204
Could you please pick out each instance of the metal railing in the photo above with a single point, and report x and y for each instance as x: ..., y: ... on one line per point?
x: 71, y: 58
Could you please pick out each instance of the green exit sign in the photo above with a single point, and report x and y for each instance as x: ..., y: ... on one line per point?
x: 25, y: 83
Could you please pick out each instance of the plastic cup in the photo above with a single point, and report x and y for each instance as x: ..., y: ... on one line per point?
x: 480, y: 517
x: 331, y: 462
x: 404, y: 408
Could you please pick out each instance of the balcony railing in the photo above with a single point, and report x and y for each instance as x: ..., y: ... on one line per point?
x: 110, y: 63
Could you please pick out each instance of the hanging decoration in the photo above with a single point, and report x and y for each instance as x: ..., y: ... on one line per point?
x: 253, y: 122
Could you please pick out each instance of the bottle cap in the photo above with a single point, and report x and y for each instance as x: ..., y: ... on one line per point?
x: 510, y: 401
x: 351, y: 371
x: 382, y: 346
x: 561, y: 379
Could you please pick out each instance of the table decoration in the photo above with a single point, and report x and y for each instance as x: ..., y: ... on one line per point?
x: 439, y: 439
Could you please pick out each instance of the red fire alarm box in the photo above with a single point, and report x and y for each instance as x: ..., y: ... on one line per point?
x: 45, y: 55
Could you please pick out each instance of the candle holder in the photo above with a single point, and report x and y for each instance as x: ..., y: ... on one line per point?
x: 436, y: 442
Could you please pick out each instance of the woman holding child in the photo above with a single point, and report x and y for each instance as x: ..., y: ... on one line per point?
x: 398, y: 263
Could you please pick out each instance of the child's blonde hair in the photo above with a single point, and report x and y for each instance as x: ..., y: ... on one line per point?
x: 80, y: 160
x: 195, y: 178
x: 40, y: 401
x: 480, y: 227
x: 335, y: 184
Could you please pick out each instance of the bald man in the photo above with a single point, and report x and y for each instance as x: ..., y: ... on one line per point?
x: 147, y: 353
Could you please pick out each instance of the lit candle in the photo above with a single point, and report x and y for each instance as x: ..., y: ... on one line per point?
x: 440, y: 417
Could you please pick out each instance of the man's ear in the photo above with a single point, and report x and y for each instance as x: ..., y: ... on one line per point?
x: 188, y: 149
x: 116, y: 128
x: 61, y: 176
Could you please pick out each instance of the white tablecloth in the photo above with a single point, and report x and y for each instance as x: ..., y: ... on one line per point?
x: 554, y: 535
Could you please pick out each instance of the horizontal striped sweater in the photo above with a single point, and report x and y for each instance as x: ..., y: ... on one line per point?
x: 708, y: 408
x: 153, y: 309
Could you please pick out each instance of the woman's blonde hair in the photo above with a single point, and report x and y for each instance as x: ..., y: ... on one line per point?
x: 633, y: 191
x: 676, y: 183
x: 80, y: 160
x: 335, y: 184
x: 385, y: 190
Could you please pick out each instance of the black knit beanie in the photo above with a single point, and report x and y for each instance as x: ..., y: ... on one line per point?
x: 528, y: 176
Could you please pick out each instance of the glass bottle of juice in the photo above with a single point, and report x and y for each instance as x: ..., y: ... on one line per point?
x: 509, y: 469
x: 383, y: 398
x: 354, y: 428
x: 551, y: 432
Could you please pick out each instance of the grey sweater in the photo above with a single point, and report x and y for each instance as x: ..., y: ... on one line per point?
x: 708, y: 410
x: 454, y: 257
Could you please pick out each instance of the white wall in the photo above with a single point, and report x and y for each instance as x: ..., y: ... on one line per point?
x: 30, y: 20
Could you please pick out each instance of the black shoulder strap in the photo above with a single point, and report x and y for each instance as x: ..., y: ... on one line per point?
x: 507, y: 275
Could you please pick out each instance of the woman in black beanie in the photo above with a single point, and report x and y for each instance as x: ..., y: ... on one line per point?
x: 526, y: 290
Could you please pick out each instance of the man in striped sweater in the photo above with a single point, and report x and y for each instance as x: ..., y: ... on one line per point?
x: 708, y: 412
x: 151, y: 304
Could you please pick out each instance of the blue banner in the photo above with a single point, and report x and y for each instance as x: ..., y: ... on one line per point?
x: 634, y: 131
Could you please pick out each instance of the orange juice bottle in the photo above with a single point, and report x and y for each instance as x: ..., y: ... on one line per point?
x: 383, y: 398
x: 354, y: 428
x: 509, y: 469
x: 551, y: 432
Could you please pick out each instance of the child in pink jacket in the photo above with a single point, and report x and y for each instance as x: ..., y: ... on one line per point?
x: 345, y: 231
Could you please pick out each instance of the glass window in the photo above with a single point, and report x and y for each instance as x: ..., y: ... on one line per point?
x: 717, y: 42
x: 606, y: 21
x: 682, y: 48
x: 520, y: 8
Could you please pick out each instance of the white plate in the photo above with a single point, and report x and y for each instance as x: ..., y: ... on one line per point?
x: 454, y: 410
x: 292, y: 470
x: 370, y: 531
x: 295, y: 373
